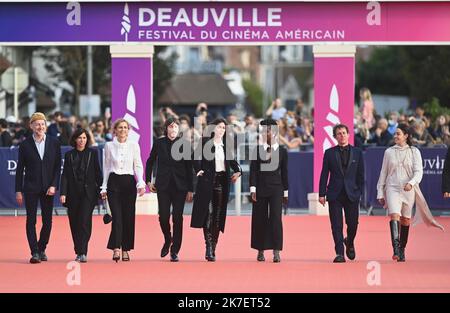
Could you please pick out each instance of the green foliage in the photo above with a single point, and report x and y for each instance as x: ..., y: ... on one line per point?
x: 420, y: 72
x: 67, y: 64
x: 101, y: 59
x: 71, y: 62
x: 382, y: 73
x: 427, y: 70
x: 254, y: 97
x: 435, y: 109
x: 163, y: 71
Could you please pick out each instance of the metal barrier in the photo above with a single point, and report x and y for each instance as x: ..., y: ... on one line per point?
x: 243, y: 157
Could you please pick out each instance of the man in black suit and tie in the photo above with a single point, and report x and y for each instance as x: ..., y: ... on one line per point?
x: 40, y: 160
x: 173, y: 184
x: 269, y: 189
x: 345, y: 166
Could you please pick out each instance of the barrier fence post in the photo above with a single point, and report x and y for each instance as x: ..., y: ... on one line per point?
x: 238, y: 198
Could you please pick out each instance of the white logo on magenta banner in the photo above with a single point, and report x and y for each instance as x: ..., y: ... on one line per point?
x: 332, y: 118
x: 126, y: 23
x: 131, y: 107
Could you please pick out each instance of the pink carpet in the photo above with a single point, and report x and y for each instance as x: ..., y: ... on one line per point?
x: 306, y: 260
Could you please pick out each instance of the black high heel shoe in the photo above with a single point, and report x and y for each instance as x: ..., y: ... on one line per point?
x: 276, y: 256
x: 116, y: 256
x: 125, y: 256
x: 260, y: 257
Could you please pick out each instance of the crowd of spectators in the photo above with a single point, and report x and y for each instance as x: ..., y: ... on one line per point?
x: 426, y: 131
x: 296, y: 125
x: 60, y: 126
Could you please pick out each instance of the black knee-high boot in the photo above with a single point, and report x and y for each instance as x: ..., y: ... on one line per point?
x: 404, y: 232
x: 215, y: 239
x: 215, y: 230
x: 208, y: 238
x: 394, y: 225
x: 208, y: 244
x: 216, y: 212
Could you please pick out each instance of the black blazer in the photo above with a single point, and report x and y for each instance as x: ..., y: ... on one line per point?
x: 167, y: 167
x: 446, y: 173
x: 5, y: 139
x: 93, y: 177
x: 209, y: 166
x: 204, y: 188
x: 351, y: 178
x: 39, y: 174
x: 273, y: 180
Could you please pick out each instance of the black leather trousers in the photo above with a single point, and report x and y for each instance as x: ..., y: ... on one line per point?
x: 211, y: 228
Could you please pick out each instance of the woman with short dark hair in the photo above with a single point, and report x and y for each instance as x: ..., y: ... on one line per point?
x: 213, y: 167
x: 80, y: 186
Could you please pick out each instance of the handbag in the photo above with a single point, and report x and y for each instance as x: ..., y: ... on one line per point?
x: 107, y: 218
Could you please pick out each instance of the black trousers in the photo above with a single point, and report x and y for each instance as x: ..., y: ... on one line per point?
x: 175, y: 198
x: 351, y: 211
x: 80, y: 219
x: 267, y: 226
x: 122, y: 195
x: 211, y: 226
x: 31, y: 204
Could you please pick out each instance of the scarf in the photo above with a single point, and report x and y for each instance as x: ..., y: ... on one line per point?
x: 423, y: 213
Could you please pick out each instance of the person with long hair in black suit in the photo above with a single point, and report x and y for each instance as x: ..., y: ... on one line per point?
x: 37, y: 178
x: 213, y: 159
x: 269, y: 187
x: 122, y: 167
x: 80, y: 187
x: 173, y: 184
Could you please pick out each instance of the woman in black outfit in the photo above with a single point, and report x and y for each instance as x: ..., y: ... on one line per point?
x: 212, y: 165
x: 80, y: 186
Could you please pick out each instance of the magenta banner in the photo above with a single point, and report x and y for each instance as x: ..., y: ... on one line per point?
x: 334, y: 81
x: 207, y: 22
x: 132, y: 98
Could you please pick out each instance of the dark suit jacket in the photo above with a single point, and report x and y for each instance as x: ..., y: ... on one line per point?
x: 446, y: 173
x: 271, y: 181
x: 5, y: 139
x: 39, y: 174
x: 167, y: 167
x: 351, y: 178
x: 93, y: 177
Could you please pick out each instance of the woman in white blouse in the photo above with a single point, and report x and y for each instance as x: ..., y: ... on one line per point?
x: 122, y: 162
x: 398, y: 189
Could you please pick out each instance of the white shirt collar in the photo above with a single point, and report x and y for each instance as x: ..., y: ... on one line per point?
x: 274, y: 146
x: 119, y: 143
x: 218, y: 144
x: 43, y: 139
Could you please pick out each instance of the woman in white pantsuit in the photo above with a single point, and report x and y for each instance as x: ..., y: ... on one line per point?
x: 398, y: 189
